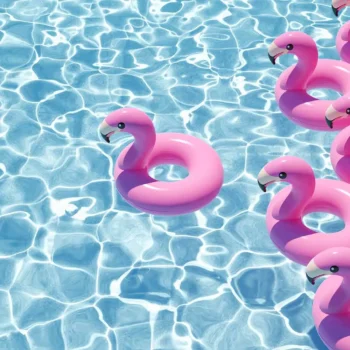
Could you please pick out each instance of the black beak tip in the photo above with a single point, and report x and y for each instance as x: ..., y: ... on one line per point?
x: 335, y: 11
x: 329, y: 123
x: 311, y: 280
x: 105, y: 137
x: 262, y: 187
x: 272, y: 59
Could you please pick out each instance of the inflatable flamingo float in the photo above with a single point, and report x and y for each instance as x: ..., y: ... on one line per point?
x: 331, y: 306
x: 340, y: 109
x: 309, y: 73
x: 150, y: 150
x: 304, y: 195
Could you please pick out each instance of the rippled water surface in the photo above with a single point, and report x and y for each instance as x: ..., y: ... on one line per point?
x: 80, y: 268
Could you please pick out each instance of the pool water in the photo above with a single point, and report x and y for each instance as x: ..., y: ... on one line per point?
x: 82, y: 269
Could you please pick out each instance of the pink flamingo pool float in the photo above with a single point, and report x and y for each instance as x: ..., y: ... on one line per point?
x: 331, y: 306
x: 309, y: 73
x: 340, y: 109
x: 304, y: 195
x: 149, y: 150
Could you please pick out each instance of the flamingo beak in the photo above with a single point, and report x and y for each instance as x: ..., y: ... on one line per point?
x: 310, y: 279
x: 331, y: 115
x: 272, y: 59
x: 264, y: 179
x: 329, y: 123
x: 105, y: 137
x: 106, y: 131
x: 337, y: 5
x: 274, y: 52
x: 262, y: 187
x: 313, y: 272
x: 335, y: 11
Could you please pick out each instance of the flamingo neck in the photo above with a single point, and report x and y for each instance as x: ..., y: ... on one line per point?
x: 335, y: 295
x: 307, y: 62
x: 137, y: 156
x: 290, y: 205
x: 345, y: 32
x: 343, y: 144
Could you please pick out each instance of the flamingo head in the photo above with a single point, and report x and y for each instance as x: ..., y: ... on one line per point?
x: 289, y: 169
x: 338, y: 109
x: 290, y: 42
x: 337, y: 5
x: 129, y: 120
x: 332, y: 261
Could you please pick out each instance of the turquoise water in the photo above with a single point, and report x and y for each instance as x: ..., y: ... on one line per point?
x: 80, y: 268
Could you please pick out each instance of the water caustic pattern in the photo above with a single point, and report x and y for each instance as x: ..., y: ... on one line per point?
x: 82, y: 269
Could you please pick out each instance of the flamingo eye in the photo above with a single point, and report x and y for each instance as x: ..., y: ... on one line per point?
x: 334, y: 269
x: 289, y: 47
x: 348, y: 111
x: 121, y: 125
x: 282, y: 175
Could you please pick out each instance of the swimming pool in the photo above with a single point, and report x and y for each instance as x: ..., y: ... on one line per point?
x: 82, y: 269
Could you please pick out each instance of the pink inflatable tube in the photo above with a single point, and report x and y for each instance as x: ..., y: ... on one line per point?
x: 149, y: 150
x: 309, y: 73
x: 304, y: 195
x: 330, y: 309
x: 341, y: 107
